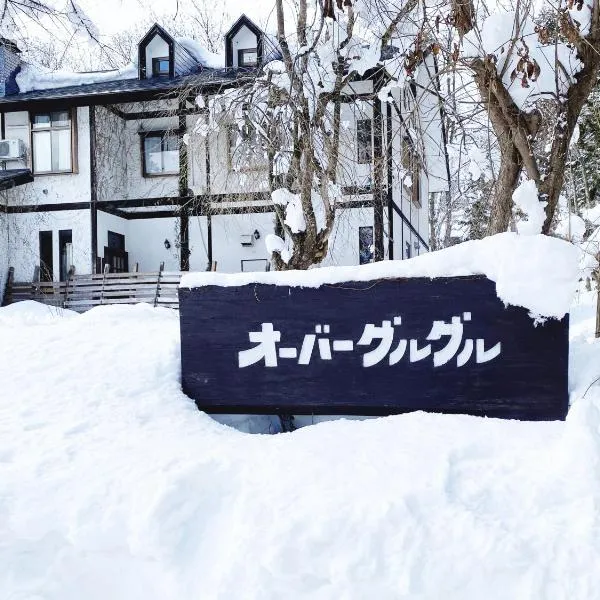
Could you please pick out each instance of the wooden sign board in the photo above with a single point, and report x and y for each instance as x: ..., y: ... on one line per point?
x: 371, y: 348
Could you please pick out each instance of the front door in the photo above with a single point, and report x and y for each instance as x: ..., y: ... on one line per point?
x: 46, y: 260
x: 115, y: 255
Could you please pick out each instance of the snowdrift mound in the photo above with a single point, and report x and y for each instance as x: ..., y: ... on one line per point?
x: 536, y: 272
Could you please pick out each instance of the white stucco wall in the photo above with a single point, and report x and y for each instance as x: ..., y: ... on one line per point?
x: 243, y: 39
x: 23, y: 240
x: 139, y: 186
x: 145, y: 243
x: 156, y: 48
x: 3, y: 252
x: 51, y: 189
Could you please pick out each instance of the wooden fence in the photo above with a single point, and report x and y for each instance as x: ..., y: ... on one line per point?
x: 82, y: 292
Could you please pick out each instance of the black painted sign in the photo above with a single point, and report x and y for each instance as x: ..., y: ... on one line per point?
x: 371, y: 348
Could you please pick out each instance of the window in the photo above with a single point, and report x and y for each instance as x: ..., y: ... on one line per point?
x: 248, y: 58
x: 160, y: 153
x: 364, y: 141
x: 160, y: 67
x: 52, y: 142
x: 410, y: 165
x: 365, y: 244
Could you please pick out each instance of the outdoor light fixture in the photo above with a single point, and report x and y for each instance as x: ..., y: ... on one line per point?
x: 167, y: 244
x: 256, y: 234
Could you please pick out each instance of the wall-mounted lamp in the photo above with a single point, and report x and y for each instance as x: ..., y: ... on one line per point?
x: 256, y: 234
x: 167, y: 244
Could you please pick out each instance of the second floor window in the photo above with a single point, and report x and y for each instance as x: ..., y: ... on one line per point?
x: 364, y: 141
x: 160, y: 153
x: 248, y: 58
x: 160, y: 67
x: 52, y: 141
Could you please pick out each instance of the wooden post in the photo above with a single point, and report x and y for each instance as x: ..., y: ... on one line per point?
x: 597, y: 280
x: 8, y: 288
x: 157, y: 294
x: 104, y: 273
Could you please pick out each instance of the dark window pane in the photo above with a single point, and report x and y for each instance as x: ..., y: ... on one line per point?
x: 161, y: 154
x: 365, y: 244
x: 41, y: 121
x: 364, y: 143
x: 60, y: 119
x: 160, y: 66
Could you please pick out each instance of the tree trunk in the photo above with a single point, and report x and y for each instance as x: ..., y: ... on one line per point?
x: 508, y: 177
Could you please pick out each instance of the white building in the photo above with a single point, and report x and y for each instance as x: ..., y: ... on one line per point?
x: 95, y: 169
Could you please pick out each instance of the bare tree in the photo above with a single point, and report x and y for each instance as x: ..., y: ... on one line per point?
x: 533, y: 83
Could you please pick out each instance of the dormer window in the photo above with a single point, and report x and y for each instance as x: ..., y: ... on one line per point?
x: 160, y: 67
x: 244, y: 45
x: 248, y: 57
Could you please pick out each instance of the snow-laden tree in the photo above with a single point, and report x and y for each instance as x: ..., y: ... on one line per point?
x: 534, y: 65
x: 290, y: 114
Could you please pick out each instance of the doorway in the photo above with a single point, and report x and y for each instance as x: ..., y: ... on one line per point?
x: 114, y: 253
x: 46, y: 259
x: 65, y: 249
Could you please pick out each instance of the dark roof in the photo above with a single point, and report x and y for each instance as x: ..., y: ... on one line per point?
x: 13, y: 177
x: 10, y: 45
x: 244, y: 20
x: 125, y: 90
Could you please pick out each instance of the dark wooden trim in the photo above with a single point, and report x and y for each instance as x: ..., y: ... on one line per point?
x: 158, y: 133
x: 3, y: 125
x: 242, y: 52
x: 357, y: 190
x: 378, y: 165
x: 93, y: 187
x: 116, y: 212
x: 36, y: 208
x: 409, y: 225
x: 152, y: 32
x: 156, y: 60
x: 199, y: 205
x: 74, y: 143
x: 184, y: 222
x: 243, y: 21
x: 390, y: 181
x: 159, y: 114
x: 45, y: 104
x: 209, y: 235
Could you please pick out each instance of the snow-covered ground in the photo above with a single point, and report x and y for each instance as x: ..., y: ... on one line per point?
x: 113, y: 486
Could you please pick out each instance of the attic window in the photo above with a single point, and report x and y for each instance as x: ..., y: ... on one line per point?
x: 248, y: 57
x: 160, y: 67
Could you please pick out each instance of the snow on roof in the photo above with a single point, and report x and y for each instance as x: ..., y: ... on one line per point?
x: 31, y: 78
x: 536, y: 272
x: 201, y: 54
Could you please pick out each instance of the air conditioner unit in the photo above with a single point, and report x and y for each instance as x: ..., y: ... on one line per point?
x: 11, y: 149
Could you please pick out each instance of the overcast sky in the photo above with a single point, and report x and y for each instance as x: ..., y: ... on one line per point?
x: 117, y: 15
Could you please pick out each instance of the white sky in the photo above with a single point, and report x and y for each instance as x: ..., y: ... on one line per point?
x: 112, y: 16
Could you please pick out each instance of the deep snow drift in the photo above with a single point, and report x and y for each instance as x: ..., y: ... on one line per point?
x: 113, y: 485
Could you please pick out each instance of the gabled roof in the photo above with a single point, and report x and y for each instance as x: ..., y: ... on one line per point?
x: 177, y: 53
x: 249, y: 23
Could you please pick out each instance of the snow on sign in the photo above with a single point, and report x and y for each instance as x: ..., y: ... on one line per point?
x: 376, y: 347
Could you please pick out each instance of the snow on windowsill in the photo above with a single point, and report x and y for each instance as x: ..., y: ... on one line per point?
x: 538, y: 272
